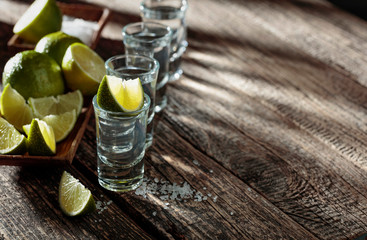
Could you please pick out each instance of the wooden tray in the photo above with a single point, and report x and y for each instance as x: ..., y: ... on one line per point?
x: 83, y: 11
x: 65, y: 150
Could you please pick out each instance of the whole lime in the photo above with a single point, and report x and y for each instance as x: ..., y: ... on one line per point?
x: 34, y: 74
x: 55, y: 45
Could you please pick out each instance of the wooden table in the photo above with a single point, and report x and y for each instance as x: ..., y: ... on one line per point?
x: 265, y: 134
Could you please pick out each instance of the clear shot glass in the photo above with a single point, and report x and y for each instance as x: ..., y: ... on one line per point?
x: 121, y: 147
x: 171, y: 13
x: 132, y: 67
x: 152, y: 40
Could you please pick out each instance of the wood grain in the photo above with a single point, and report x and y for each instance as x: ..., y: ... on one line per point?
x: 268, y: 123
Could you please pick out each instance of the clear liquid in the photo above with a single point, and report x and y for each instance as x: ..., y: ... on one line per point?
x: 120, y: 152
x: 150, y: 45
x: 149, y: 87
x: 175, y: 19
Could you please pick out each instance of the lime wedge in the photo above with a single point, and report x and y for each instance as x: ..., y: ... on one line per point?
x: 62, y: 124
x: 11, y: 141
x: 83, y: 68
x: 45, y: 106
x: 14, y: 108
x: 74, y: 198
x: 118, y: 95
x: 41, y: 139
x: 41, y: 18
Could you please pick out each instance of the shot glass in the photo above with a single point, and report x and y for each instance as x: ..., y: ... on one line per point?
x: 120, y: 147
x: 152, y: 40
x: 173, y: 14
x: 132, y: 67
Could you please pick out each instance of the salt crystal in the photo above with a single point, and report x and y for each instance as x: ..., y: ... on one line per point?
x: 211, y: 171
x: 154, y: 213
x: 80, y: 28
x: 166, y: 191
x: 196, y: 162
x: 215, y: 199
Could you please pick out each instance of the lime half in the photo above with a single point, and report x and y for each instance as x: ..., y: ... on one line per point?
x: 41, y: 139
x: 74, y: 198
x: 83, y: 69
x: 118, y: 95
x: 41, y: 18
x: 14, y: 108
x: 11, y: 141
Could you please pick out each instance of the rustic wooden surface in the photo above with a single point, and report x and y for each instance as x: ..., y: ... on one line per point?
x: 268, y: 123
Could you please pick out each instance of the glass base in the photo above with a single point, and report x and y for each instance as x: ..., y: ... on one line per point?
x: 121, y: 185
x: 149, y: 140
x: 176, y: 75
x: 161, y: 105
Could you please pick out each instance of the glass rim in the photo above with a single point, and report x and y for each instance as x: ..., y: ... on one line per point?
x: 182, y: 8
x: 121, y: 56
x: 127, y: 115
x: 162, y: 26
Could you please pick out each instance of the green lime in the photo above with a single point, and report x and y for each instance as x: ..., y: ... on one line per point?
x: 74, y: 198
x: 55, y: 45
x: 34, y: 74
x: 11, y: 141
x: 14, y: 108
x: 41, y: 139
x: 41, y: 18
x: 57, y: 105
x: 118, y: 95
x: 83, y: 69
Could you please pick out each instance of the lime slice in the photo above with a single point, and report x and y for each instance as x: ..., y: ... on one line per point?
x: 43, y: 107
x: 117, y: 95
x: 34, y: 74
x: 11, y: 141
x: 83, y: 68
x: 41, y: 18
x: 62, y: 124
x: 14, y: 108
x: 41, y: 139
x: 74, y: 198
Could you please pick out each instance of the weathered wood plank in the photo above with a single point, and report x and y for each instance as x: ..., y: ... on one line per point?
x: 30, y: 209
x: 301, y: 111
x: 229, y: 210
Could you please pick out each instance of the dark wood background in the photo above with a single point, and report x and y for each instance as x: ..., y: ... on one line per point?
x: 268, y: 122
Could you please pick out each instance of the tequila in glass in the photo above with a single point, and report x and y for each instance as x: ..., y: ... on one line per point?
x: 146, y: 69
x: 153, y: 40
x: 120, y: 147
x: 171, y: 13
